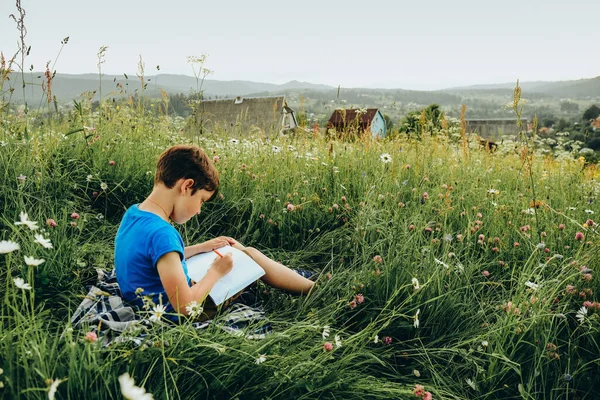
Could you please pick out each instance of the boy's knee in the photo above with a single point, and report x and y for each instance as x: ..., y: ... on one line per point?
x: 251, y: 251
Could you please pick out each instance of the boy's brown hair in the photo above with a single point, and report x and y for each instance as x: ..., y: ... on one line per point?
x: 187, y: 162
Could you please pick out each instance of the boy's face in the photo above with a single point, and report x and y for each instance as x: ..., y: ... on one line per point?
x: 189, y: 204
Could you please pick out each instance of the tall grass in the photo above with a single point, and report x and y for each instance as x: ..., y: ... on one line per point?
x: 422, y: 214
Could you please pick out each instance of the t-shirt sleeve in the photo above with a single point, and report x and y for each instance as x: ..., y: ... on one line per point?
x: 165, y: 241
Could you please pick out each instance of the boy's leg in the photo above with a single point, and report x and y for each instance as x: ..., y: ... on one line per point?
x: 278, y: 275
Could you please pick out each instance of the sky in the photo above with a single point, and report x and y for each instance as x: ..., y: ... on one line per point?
x: 421, y: 45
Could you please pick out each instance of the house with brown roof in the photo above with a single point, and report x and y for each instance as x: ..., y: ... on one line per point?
x: 358, y: 120
x: 269, y: 115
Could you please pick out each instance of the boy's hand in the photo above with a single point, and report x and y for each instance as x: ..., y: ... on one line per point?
x: 222, y: 265
x: 216, y: 243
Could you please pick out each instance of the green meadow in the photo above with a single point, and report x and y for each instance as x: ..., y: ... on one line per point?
x: 441, y: 264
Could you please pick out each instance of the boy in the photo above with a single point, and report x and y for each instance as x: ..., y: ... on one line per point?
x: 150, y: 254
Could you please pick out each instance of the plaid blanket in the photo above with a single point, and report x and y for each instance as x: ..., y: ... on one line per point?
x: 113, y: 320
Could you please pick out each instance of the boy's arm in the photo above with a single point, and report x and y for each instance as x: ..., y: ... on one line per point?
x: 175, y: 283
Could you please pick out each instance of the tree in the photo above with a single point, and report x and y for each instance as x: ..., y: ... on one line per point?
x: 591, y: 113
x: 569, y: 106
x: 389, y: 124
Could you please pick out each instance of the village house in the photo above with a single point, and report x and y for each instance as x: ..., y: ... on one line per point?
x: 495, y: 128
x: 268, y: 115
x: 358, y: 120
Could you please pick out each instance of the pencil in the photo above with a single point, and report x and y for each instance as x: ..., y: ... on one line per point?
x: 219, y: 254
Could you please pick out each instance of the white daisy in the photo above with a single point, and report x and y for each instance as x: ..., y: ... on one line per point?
x: 325, y: 333
x: 338, y: 341
x: 43, y: 241
x: 20, y: 283
x: 8, y: 246
x: 581, y: 314
x: 493, y: 191
x: 194, y: 309
x: 25, y: 221
x: 103, y: 186
x: 157, y: 312
x: 32, y: 261
x: 385, y: 158
x: 233, y: 141
x: 261, y: 359
x: 132, y: 392
x: 532, y: 285
x: 416, y: 323
x: 89, y: 178
x: 415, y: 283
x: 276, y: 149
x: 589, y: 211
x: 53, y: 387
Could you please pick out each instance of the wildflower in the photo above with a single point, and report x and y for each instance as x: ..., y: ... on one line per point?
x: 493, y: 191
x: 290, y: 207
x: 540, y: 245
x: 8, y: 246
x: 43, y: 241
x: 387, y: 340
x: 132, y: 392
x: 91, y: 337
x: 471, y: 383
x: 31, y: 261
x: 378, y: 259
x: 25, y: 221
x: 261, y: 359
x: 111, y: 163
x: 22, y: 178
x: 359, y: 298
x: 336, y: 206
x: 589, y: 222
x: 416, y: 317
x: 157, y: 312
x: 20, y: 283
x: 352, y: 304
x: 51, y: 223
x: 589, y: 211
x: 325, y: 333
x: 75, y: 215
x: 529, y: 211
x: 419, y: 390
x: 194, y: 309
x: 485, y: 343
x: 233, y: 141
x: 427, y: 396
x: 425, y: 196
x: 327, y: 346
x: 416, y: 373
x: 338, y: 341
x: 485, y: 273
x: 407, y: 166
x: 276, y: 149
x: 385, y: 158
x: 89, y: 178
x: 415, y: 284
x: 581, y: 314
x: 376, y: 339
x: 103, y: 186
x: 440, y: 262
x: 53, y: 387
x: 459, y: 237
x: 216, y: 159
x: 579, y: 236
x: 411, y: 227
x: 532, y: 285
x: 95, y: 194
x: 516, y: 244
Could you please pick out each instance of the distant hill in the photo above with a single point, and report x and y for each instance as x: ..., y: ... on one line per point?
x: 581, y: 88
x: 67, y: 87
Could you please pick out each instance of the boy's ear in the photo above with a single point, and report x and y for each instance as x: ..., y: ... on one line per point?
x: 187, y: 184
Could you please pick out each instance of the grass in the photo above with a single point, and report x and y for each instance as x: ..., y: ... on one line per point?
x: 422, y: 213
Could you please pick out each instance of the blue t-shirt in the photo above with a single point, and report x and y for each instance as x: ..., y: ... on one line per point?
x: 142, y: 238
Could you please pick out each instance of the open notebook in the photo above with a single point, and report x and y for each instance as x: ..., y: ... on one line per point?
x: 245, y: 271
